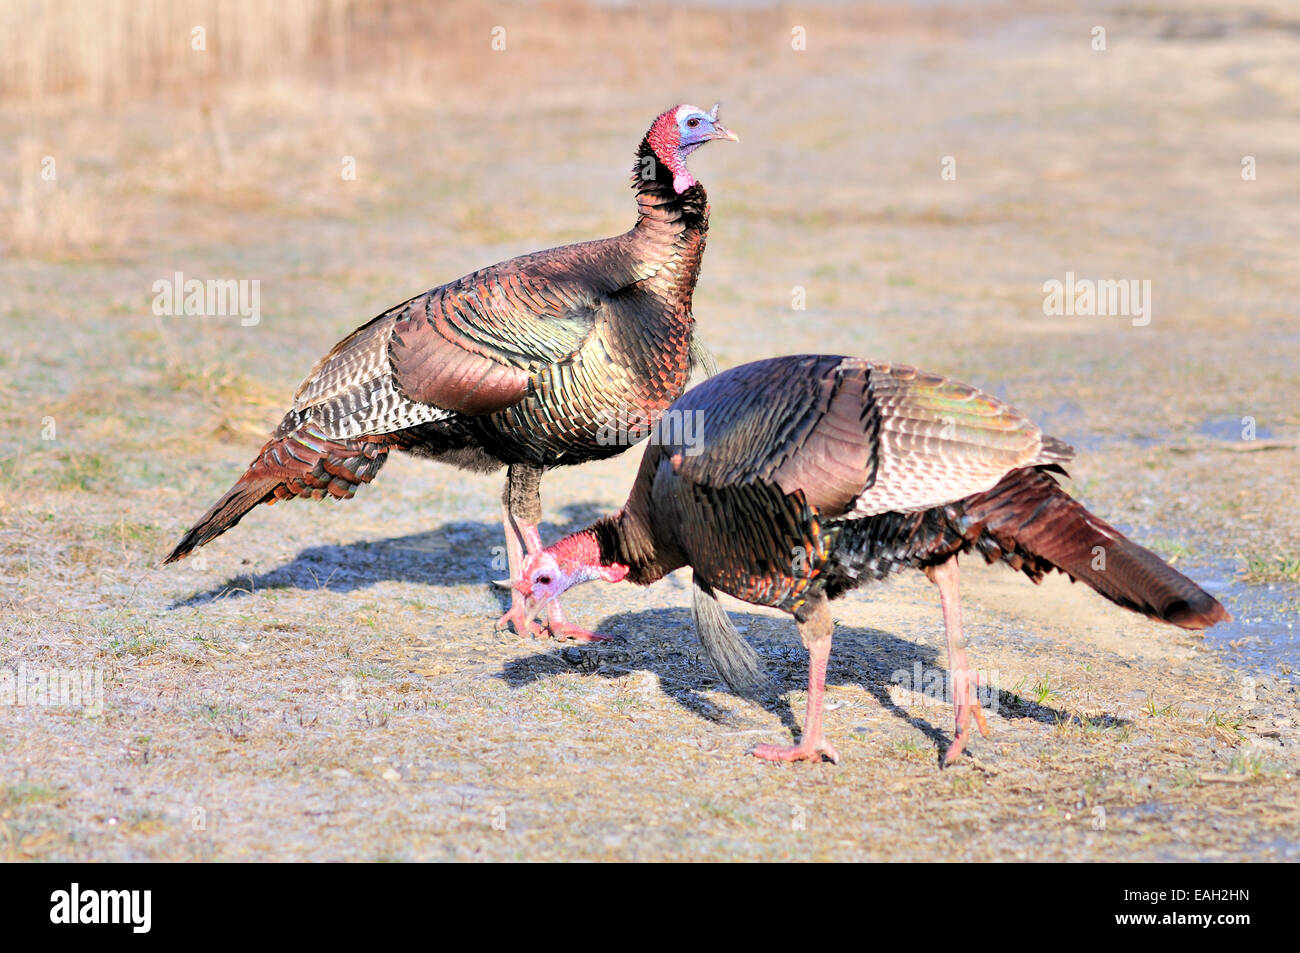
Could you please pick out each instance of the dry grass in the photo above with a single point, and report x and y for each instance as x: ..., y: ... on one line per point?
x: 111, y: 51
x: 114, y: 52
x: 326, y: 64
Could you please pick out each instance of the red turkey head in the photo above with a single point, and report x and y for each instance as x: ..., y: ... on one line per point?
x: 679, y: 132
x: 549, y: 573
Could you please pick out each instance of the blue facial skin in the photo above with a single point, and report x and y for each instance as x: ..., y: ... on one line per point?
x: 695, y: 129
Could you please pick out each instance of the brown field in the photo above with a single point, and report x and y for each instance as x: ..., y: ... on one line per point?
x: 325, y: 684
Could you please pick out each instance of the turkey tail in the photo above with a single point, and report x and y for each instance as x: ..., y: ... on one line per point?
x: 227, y: 511
x: 1028, y: 520
x: 302, y: 462
x: 734, y: 659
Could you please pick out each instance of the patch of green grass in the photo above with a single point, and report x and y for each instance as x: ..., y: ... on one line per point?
x: 1040, y: 693
x: 1159, y: 711
x: 215, y: 711
x: 369, y: 614
x: 909, y: 746
x: 378, y: 672
x: 11, y: 471
x: 1099, y: 727
x: 1043, y: 692
x: 1185, y: 778
x: 960, y: 783
x: 138, y: 643
x: 1171, y: 549
x: 727, y: 813
x: 82, y: 470
x: 124, y: 532
x: 16, y: 795
x: 1252, y: 763
x: 1280, y: 567
x: 143, y: 820
x: 1227, y: 723
x: 230, y: 717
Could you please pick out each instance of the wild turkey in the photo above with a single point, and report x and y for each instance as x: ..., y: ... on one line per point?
x: 818, y: 473
x: 523, y: 364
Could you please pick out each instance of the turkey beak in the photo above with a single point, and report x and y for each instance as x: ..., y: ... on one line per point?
x: 534, y: 609
x: 719, y: 130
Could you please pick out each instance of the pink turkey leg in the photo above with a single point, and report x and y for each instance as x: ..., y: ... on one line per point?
x: 813, y: 745
x: 516, y: 615
x: 964, y: 695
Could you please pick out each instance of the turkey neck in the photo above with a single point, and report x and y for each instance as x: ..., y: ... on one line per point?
x: 624, y: 539
x: 668, y: 225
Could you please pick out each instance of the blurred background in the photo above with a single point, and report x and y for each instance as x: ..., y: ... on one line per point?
x: 910, y: 173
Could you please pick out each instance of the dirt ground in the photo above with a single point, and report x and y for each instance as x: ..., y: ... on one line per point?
x: 325, y: 682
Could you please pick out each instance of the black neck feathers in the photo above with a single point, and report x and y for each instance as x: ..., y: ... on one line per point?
x: 656, y: 198
x: 623, y: 539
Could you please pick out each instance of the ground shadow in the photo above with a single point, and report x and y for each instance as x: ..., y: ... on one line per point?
x: 449, y: 555
x: 663, y: 642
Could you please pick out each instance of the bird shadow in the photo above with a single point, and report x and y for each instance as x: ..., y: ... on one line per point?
x: 457, y: 553
x: 874, y: 659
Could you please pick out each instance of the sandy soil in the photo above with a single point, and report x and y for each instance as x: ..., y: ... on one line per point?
x: 325, y: 682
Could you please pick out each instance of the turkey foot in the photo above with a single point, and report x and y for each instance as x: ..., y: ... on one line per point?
x: 965, y: 708
x: 806, y: 750
x: 561, y: 628
x: 566, y: 630
x: 556, y: 627
x: 816, y: 634
x: 517, y: 618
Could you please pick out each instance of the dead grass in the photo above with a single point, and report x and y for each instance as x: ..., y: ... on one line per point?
x: 117, y: 51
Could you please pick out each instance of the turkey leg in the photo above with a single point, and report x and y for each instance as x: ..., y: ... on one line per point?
x: 965, y: 696
x: 815, y: 629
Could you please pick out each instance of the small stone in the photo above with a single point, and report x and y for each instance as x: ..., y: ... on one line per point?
x: 391, y: 775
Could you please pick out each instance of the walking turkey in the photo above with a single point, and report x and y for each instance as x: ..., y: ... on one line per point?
x: 817, y: 473
x: 523, y: 364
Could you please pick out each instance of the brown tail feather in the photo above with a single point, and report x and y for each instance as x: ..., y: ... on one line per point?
x: 227, y: 511
x: 1030, y: 517
x: 301, y: 463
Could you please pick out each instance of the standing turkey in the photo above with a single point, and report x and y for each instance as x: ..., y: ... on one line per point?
x: 818, y: 473
x: 522, y: 364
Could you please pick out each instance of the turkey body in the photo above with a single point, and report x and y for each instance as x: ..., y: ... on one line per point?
x: 527, y: 364
x: 825, y: 472
x: 816, y: 474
